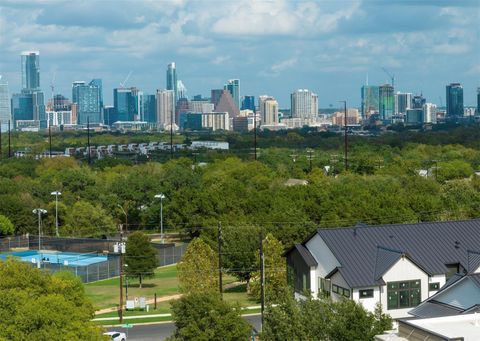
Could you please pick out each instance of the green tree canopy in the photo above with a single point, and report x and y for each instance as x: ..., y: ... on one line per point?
x: 141, y: 257
x: 85, y: 219
x: 205, y: 316
x: 6, y: 226
x: 36, y: 305
x: 198, y: 269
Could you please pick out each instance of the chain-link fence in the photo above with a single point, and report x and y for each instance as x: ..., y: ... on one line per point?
x: 85, y: 248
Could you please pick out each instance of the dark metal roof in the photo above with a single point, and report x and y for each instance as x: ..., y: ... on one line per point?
x: 385, y: 260
x: 473, y: 261
x: 475, y: 278
x: 306, y: 255
x: 434, y: 309
x: 429, y: 245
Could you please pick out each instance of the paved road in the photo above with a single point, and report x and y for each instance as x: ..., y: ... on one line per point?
x: 161, y: 331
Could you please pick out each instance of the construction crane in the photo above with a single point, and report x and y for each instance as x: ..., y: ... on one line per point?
x: 392, y: 77
x: 122, y: 85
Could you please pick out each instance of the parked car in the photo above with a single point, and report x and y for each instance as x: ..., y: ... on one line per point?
x: 116, y: 336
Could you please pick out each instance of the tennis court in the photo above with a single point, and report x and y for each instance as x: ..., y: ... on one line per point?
x: 72, y: 259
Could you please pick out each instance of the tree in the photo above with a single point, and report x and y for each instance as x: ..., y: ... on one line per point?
x: 6, y: 226
x: 204, y: 316
x: 36, y: 305
x: 87, y: 220
x: 275, y: 273
x: 198, y: 269
x: 141, y: 257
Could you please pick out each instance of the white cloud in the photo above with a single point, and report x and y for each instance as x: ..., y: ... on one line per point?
x: 284, y: 65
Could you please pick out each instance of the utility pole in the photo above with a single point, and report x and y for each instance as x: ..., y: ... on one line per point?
x: 255, y: 135
x: 346, y: 134
x: 9, y: 141
x: 120, y: 249
x: 88, y: 140
x: 262, y: 280
x: 50, y: 139
x: 219, y: 241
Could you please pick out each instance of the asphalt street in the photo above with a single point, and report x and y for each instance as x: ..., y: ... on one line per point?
x: 160, y: 331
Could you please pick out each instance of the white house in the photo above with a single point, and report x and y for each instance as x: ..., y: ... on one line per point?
x: 398, y: 266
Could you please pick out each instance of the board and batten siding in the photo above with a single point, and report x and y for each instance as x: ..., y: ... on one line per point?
x: 403, y: 270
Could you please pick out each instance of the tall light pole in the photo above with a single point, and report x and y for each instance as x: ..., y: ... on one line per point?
x: 161, y: 196
x: 126, y: 218
x: 39, y: 211
x: 56, y: 194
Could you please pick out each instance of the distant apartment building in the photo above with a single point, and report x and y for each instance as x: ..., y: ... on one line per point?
x: 353, y: 117
x: 216, y: 120
x: 403, y: 101
x: 454, y: 96
x: 429, y: 113
x: 268, y: 108
x: 5, y: 111
x: 88, y: 102
x: 165, y: 108
x: 304, y: 104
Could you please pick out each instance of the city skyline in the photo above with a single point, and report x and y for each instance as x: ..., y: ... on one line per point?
x: 330, y: 51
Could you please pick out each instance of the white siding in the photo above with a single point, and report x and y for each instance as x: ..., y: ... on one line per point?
x: 436, y: 279
x: 368, y: 303
x: 403, y: 270
x: 337, y: 279
x: 322, y: 254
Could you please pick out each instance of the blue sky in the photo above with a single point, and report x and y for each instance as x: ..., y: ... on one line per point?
x: 274, y: 47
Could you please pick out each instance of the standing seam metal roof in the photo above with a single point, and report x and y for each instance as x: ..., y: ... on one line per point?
x: 430, y: 245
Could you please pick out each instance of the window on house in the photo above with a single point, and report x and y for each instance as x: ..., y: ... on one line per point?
x: 433, y: 286
x: 366, y: 293
x: 405, y: 294
x: 324, y: 287
x: 340, y: 290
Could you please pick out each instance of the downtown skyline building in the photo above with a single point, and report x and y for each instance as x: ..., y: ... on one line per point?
x: 233, y: 86
x: 304, y: 104
x: 5, y: 110
x: 172, y: 79
x: 268, y: 107
x: 403, y: 101
x: 87, y: 99
x: 165, y: 108
x: 454, y: 98
x: 386, y: 103
x: 128, y: 104
x: 370, y: 101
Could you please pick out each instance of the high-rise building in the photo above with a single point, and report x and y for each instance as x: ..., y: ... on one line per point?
x: 215, y: 96
x: 418, y: 101
x: 31, y: 70
x: 386, y: 102
x: 87, y: 100
x: 403, y: 101
x: 149, y: 109
x: 478, y: 101
x: 233, y: 86
x: 226, y: 104
x: 268, y: 110
x: 454, y: 100
x: 370, y: 101
x: 304, y: 104
x: 200, y: 105
x: 5, y: 111
x: 22, y: 107
x: 181, y: 90
x: 248, y: 103
x: 429, y: 113
x: 165, y: 108
x: 128, y: 103
x: 172, y: 79
x: 109, y: 115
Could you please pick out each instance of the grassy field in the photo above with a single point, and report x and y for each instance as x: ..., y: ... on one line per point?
x: 105, y: 294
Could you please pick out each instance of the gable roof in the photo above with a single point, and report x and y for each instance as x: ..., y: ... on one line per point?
x: 304, y: 253
x: 429, y: 245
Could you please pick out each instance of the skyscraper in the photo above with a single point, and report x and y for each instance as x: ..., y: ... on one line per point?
x: 454, y: 100
x: 386, y: 102
x: 87, y: 100
x: 5, y: 112
x: 370, y: 100
x: 149, y: 108
x: 172, y: 79
x: 181, y: 90
x: 165, y: 108
x: 304, y: 104
x: 248, y: 103
x: 226, y: 104
x: 418, y: 101
x: 429, y: 113
x: 128, y: 104
x: 268, y: 110
x: 403, y: 101
x: 31, y: 70
x: 233, y: 86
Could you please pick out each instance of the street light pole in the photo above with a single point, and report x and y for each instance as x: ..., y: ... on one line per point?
x: 126, y: 217
x: 39, y: 212
x: 56, y: 194
x: 161, y: 196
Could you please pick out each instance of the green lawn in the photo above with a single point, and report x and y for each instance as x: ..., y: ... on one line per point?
x: 105, y: 294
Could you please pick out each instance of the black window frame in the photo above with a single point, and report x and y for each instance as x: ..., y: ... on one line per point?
x: 337, y: 289
x: 369, y: 295
x: 434, y: 286
x: 404, y: 294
